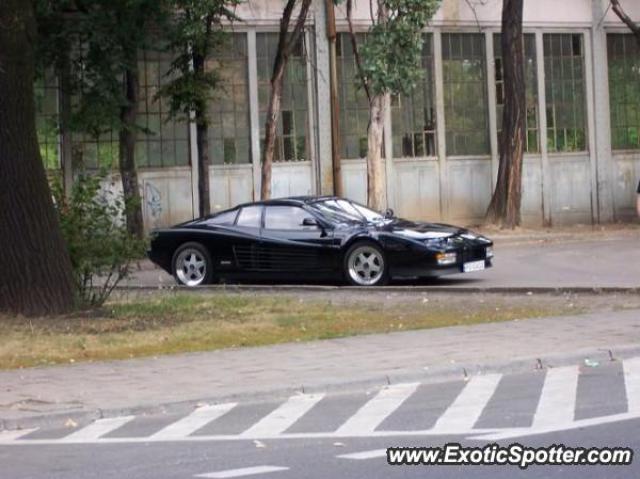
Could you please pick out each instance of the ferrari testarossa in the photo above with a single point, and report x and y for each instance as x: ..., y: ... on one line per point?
x: 314, y: 238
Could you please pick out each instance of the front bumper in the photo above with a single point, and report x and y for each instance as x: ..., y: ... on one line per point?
x: 426, y: 269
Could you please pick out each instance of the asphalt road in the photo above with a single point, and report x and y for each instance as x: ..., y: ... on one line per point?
x: 345, y: 435
x: 594, y: 263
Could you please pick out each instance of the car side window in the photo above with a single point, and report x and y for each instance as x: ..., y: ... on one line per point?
x: 286, y: 218
x: 225, y: 218
x: 250, y: 217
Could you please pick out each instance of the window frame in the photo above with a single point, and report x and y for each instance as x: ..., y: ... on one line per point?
x: 445, y: 123
x: 554, y: 152
x: 613, y: 125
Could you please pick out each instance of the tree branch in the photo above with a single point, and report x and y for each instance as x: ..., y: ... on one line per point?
x: 299, y: 28
x: 622, y: 15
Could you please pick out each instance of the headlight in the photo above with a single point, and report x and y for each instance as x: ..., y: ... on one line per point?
x: 446, y: 258
x: 489, y: 252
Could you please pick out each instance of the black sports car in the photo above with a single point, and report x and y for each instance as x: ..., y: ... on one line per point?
x: 316, y: 238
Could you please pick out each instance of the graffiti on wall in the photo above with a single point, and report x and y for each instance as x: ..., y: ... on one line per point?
x: 153, y: 200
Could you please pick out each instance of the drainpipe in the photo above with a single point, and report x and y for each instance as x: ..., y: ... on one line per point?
x: 335, y: 107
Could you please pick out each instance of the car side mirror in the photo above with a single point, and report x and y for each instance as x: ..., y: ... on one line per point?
x: 389, y: 213
x: 309, y: 222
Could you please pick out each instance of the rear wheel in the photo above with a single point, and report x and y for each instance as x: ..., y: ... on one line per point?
x: 365, y: 265
x: 192, y: 265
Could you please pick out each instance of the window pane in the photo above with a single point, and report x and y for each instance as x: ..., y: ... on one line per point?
x: 292, y: 123
x: 354, y: 107
x: 229, y: 108
x: 531, y: 85
x: 224, y: 218
x: 163, y: 132
x: 250, y: 217
x: 465, y: 96
x: 564, y: 84
x: 624, y: 91
x: 285, y: 218
x: 413, y: 115
x: 46, y: 99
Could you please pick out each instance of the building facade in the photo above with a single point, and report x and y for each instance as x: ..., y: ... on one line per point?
x: 582, y: 161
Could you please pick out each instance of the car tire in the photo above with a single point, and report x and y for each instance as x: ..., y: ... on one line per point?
x: 365, y: 264
x: 191, y: 265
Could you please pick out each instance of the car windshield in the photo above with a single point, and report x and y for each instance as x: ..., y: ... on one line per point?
x: 343, y: 211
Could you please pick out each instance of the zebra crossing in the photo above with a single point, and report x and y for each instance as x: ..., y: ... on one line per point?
x: 483, y: 407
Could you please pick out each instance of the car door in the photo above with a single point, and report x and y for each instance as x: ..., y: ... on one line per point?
x: 246, y: 238
x: 288, y: 244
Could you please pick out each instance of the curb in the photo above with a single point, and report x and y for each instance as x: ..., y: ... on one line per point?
x: 436, y: 374
x: 391, y: 289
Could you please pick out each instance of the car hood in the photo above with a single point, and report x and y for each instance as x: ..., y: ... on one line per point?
x: 423, y: 230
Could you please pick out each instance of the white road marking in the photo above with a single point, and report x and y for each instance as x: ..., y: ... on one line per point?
x: 245, y: 471
x: 284, y: 416
x: 463, y: 413
x: 376, y: 410
x: 361, y: 456
x: 194, y: 421
x: 97, y: 429
x: 558, y: 398
x: 13, y: 435
x: 498, y: 434
x: 631, y: 369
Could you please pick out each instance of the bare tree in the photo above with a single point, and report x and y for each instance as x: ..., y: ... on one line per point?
x: 504, y: 208
x: 287, y: 42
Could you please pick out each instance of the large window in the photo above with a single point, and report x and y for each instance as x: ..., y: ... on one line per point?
x: 286, y: 218
x: 229, y: 132
x: 465, y: 94
x: 354, y: 107
x: 531, y: 83
x: 624, y: 91
x: 89, y: 151
x: 565, y: 92
x: 293, y: 124
x: 160, y: 142
x: 46, y: 97
x: 414, y: 115
x: 164, y: 141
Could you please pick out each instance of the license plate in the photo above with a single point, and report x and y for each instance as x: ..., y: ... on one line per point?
x: 473, y: 266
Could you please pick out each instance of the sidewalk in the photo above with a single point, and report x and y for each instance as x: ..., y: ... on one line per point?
x: 49, y: 396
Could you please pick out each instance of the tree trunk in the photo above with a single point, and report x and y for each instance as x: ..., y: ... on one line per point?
x: 375, y: 165
x: 505, y: 203
x: 335, y: 104
x: 128, y: 170
x: 204, y: 201
x: 36, y: 277
x: 273, y: 113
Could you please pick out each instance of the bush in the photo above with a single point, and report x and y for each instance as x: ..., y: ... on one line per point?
x: 93, y: 225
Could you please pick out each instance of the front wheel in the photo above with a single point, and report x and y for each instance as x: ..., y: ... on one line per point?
x: 192, y: 265
x: 365, y: 265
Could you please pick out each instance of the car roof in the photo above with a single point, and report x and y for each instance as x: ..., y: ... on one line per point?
x: 291, y: 200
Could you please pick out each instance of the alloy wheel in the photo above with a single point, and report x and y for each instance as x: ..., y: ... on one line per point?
x: 366, y: 266
x: 191, y: 267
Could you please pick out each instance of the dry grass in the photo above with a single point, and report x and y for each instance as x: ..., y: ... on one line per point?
x: 185, y: 323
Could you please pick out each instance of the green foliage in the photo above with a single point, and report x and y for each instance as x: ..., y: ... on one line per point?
x: 101, y: 249
x: 391, y: 51
x: 194, y: 34
x: 96, y: 42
